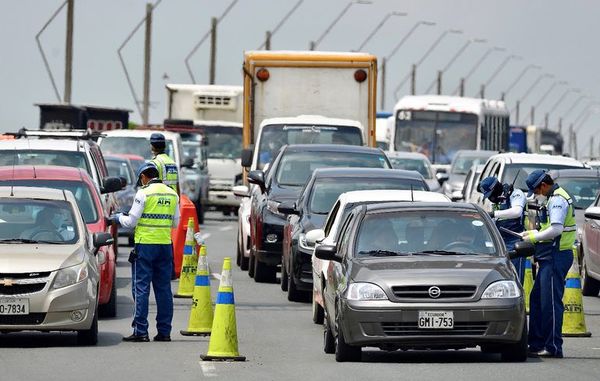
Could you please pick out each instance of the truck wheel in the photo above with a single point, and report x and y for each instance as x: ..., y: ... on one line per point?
x: 264, y: 273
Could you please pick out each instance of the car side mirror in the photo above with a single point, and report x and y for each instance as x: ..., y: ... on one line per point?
x: 188, y: 163
x: 592, y: 215
x: 288, y: 207
x: 102, y: 239
x: 314, y: 236
x: 123, y: 182
x: 111, y: 184
x: 257, y: 177
x: 247, y: 156
x: 522, y: 249
x: 442, y: 177
x: 241, y: 191
x: 327, y: 252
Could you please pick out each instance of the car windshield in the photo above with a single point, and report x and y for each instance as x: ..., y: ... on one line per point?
x: 583, y: 190
x: 118, y: 168
x: 276, y: 136
x: 37, y: 221
x: 516, y: 174
x: 296, y: 167
x: 136, y: 145
x: 223, y: 142
x: 425, y: 232
x: 410, y: 164
x: 80, y: 190
x: 39, y: 157
x: 463, y: 163
x: 326, y: 191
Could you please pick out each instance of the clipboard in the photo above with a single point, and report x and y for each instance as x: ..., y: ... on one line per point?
x: 514, y: 234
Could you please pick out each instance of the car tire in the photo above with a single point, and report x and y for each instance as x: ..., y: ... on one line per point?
x: 89, y: 336
x: 245, y: 263
x: 264, y: 273
x: 238, y: 254
x: 343, y: 351
x: 284, y: 278
x: 516, y: 352
x: 251, y: 264
x: 110, y: 309
x: 295, y: 295
x: 318, y: 314
x: 589, y: 286
x: 328, y: 339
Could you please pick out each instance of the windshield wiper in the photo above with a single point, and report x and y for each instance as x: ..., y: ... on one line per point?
x: 19, y: 240
x: 381, y: 253
x: 441, y: 252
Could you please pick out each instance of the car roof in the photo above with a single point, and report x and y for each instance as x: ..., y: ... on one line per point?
x: 527, y: 158
x: 141, y: 133
x: 475, y: 152
x: 122, y: 156
x: 391, y: 195
x: 365, y: 172
x: 43, y: 172
x: 422, y: 205
x: 311, y: 119
x: 331, y: 148
x: 40, y: 193
x: 406, y: 155
x: 43, y: 145
x: 583, y: 172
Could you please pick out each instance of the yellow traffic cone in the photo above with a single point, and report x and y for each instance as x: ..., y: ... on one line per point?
x: 527, y: 282
x: 188, y: 264
x: 573, y: 317
x: 223, y: 343
x: 201, y: 314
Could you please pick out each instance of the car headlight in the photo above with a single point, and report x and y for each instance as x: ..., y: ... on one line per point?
x: 272, y: 207
x: 303, y: 243
x: 502, y: 289
x: 70, y: 275
x: 365, y: 291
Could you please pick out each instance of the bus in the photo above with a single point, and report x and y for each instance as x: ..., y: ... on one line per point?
x: 438, y: 126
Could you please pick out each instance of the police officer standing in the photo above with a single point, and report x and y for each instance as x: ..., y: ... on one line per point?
x: 167, y: 168
x: 554, y: 256
x: 154, y: 212
x: 508, y: 211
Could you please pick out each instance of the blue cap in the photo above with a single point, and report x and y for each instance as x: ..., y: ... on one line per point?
x: 157, y: 137
x: 486, y: 186
x: 534, y: 180
x: 147, y: 165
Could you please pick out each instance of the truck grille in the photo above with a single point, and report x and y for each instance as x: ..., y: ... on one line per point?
x: 31, y: 319
x: 410, y: 329
x: 422, y: 292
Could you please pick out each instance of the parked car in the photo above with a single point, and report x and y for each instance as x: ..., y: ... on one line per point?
x: 93, y: 210
x: 590, y: 248
x: 49, y: 275
x: 462, y: 162
x: 310, y: 210
x: 395, y: 282
x: 284, y: 180
x: 471, y: 182
x: 414, y: 161
x: 121, y: 166
x: 329, y: 234
x: 243, y: 237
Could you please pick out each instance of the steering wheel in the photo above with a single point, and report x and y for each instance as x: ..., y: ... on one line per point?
x: 54, y: 234
x: 458, y: 246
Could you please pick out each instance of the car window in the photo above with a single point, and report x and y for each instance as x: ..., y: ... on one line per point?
x: 342, y: 246
x: 136, y: 145
x: 419, y: 165
x: 331, y: 218
x: 40, y: 157
x: 463, y: 163
x: 118, y: 168
x: 582, y: 190
x: 516, y: 174
x: 98, y: 160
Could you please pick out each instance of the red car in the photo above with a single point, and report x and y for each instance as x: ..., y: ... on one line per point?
x: 92, y: 209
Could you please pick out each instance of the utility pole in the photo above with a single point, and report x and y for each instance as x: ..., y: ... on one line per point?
x: 560, y: 125
x: 147, y: 54
x: 382, y: 98
x: 213, y: 51
x: 546, y: 121
x: 532, y: 114
x: 592, y: 147
x: 439, y: 82
x: 461, y: 87
x: 482, y: 91
x: 517, y: 107
x: 268, y: 40
x: 69, y: 52
x: 413, y: 80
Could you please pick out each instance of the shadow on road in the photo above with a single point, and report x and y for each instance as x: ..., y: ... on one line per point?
x: 53, y: 339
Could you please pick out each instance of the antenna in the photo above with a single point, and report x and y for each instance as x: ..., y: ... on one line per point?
x: 412, y: 196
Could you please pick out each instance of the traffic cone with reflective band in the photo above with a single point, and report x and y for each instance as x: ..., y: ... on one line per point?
x: 223, y: 343
x: 201, y: 314
x: 188, y: 264
x: 527, y: 282
x: 573, y: 317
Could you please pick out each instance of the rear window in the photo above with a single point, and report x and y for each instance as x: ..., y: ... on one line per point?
x: 119, y: 169
x: 516, y: 174
x: 35, y: 157
x: 131, y: 145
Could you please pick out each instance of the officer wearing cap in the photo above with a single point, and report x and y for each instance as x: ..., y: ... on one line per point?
x: 508, y: 211
x: 167, y: 168
x: 154, y: 212
x: 554, y: 256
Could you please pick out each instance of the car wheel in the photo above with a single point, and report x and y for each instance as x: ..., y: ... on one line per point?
x: 245, y: 263
x: 328, y: 339
x: 516, y: 352
x: 317, y: 312
x: 251, y: 265
x: 238, y: 256
x: 343, y: 351
x: 264, y: 273
x: 295, y: 295
x: 89, y: 336
x: 284, y: 278
x: 110, y: 309
x: 590, y: 286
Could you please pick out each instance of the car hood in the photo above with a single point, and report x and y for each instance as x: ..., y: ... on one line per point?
x: 23, y: 258
x: 224, y: 169
x: 421, y: 270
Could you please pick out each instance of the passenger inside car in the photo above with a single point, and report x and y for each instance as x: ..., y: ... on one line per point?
x: 378, y: 234
x: 51, y: 224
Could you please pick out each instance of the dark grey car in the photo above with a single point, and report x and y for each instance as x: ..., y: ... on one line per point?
x: 422, y: 276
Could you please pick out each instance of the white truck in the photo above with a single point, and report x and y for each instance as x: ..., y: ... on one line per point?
x: 296, y: 97
x: 215, y: 112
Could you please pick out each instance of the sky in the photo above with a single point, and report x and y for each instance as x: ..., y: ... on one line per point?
x: 558, y: 36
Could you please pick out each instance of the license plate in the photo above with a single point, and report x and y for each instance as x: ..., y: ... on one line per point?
x: 436, y: 319
x: 14, y: 306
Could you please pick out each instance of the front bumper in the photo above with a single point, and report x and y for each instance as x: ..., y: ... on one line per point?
x: 385, y: 323
x: 302, y: 269
x: 270, y: 251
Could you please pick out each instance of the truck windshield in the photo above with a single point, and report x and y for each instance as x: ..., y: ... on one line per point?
x: 436, y: 134
x: 132, y: 145
x: 223, y: 142
x: 38, y: 157
x: 275, y: 136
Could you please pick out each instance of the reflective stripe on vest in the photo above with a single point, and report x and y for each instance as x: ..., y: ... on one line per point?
x: 154, y: 225
x: 568, y: 236
x: 167, y: 170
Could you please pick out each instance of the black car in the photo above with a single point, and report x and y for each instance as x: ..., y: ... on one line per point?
x: 283, y: 181
x: 310, y: 211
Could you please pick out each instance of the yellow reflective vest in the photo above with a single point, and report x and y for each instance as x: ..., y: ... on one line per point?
x: 167, y: 170
x: 154, y: 225
x: 567, y: 238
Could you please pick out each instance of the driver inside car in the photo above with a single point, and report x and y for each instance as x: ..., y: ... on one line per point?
x: 51, y: 224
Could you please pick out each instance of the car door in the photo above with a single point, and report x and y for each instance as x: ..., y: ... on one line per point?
x: 336, y: 277
x: 591, y: 238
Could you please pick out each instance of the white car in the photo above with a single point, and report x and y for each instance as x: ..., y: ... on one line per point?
x: 329, y: 234
x: 415, y: 161
x: 243, y: 237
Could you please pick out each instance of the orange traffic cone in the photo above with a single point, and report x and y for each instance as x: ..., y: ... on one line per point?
x: 188, y: 264
x: 223, y: 343
x: 573, y: 317
x: 201, y: 314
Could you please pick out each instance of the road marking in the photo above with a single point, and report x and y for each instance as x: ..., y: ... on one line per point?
x: 216, y: 276
x: 208, y: 369
x: 226, y: 228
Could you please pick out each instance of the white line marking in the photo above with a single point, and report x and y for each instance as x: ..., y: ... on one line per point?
x: 226, y: 228
x: 216, y: 276
x: 208, y: 369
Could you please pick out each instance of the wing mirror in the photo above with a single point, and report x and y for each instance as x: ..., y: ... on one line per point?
x: 314, y: 236
x: 522, y: 249
x: 102, y: 239
x: 241, y: 191
x: 327, y: 252
x: 111, y: 184
x: 257, y: 177
x: 247, y: 154
x: 288, y: 207
x: 442, y: 177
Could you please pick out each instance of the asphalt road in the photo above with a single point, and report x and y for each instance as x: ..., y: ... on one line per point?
x: 277, y: 337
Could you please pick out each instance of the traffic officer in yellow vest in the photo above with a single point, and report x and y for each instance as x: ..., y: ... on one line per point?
x: 554, y: 256
x: 154, y: 212
x: 167, y: 168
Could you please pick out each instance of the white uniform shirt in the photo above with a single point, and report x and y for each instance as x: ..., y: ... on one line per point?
x: 139, y: 202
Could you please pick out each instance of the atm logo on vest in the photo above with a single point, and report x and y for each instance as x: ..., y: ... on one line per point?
x: 163, y: 201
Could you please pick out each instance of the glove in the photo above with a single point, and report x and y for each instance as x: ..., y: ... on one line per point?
x: 491, y: 213
x: 114, y: 219
x: 528, y: 235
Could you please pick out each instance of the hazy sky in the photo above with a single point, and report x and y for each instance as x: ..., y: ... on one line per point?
x: 560, y: 36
